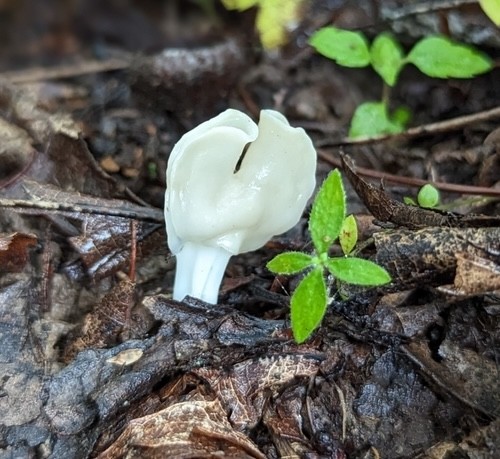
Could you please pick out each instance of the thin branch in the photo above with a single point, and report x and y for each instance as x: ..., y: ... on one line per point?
x: 411, y: 181
x: 64, y: 71
x: 426, y: 129
x: 134, y: 212
x: 416, y: 8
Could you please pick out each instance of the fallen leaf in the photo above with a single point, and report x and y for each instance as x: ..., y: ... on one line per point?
x: 14, y: 251
x: 126, y: 357
x: 196, y: 428
x: 16, y: 151
x: 112, y: 316
x: 244, y: 390
x: 463, y: 373
x: 109, y: 165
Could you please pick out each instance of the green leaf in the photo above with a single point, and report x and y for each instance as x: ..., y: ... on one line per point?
x: 308, y: 305
x: 328, y: 212
x: 371, y: 119
x: 358, y: 271
x: 347, y: 48
x: 428, y: 196
x: 289, y: 263
x: 348, y: 234
x: 387, y: 57
x: 492, y: 9
x: 440, y: 57
x: 401, y: 116
x: 409, y: 201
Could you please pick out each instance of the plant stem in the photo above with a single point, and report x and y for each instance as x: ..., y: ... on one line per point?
x: 386, y: 94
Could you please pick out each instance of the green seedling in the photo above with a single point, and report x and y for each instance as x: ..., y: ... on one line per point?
x: 427, y: 197
x: 435, y: 56
x: 327, y: 223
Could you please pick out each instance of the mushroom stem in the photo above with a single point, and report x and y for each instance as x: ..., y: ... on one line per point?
x: 199, y: 271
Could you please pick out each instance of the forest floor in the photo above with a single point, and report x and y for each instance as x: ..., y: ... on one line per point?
x: 97, y: 360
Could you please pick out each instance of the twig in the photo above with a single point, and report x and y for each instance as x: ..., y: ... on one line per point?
x: 417, y: 8
x: 343, y: 406
x: 10, y: 180
x: 411, y: 181
x: 64, y: 71
x: 133, y: 249
x: 426, y: 129
x: 249, y: 102
x: 132, y: 211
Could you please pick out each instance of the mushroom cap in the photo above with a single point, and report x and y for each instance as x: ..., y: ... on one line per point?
x: 210, y: 201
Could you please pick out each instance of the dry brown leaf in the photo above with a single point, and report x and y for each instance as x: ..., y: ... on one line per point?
x: 284, y: 419
x: 245, y: 389
x: 66, y: 184
x: 110, y: 318
x: 468, y: 376
x: 192, y: 429
x: 483, y: 442
x: 16, y: 151
x: 14, y: 251
x: 126, y: 357
x: 25, y: 111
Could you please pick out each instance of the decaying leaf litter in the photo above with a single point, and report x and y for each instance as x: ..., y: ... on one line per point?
x: 406, y: 371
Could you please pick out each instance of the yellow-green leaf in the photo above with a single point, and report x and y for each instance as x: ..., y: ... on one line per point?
x: 492, y: 9
x: 275, y: 19
x: 348, y: 234
x: 428, y: 196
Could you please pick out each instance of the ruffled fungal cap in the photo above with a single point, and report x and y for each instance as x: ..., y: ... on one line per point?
x: 231, y: 186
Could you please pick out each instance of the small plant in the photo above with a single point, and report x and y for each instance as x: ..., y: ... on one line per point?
x: 435, y: 56
x: 427, y: 197
x: 327, y: 223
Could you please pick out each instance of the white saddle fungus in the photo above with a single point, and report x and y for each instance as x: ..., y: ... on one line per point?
x: 231, y: 186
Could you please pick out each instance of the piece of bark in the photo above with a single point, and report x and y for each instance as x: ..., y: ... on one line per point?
x: 462, y: 373
x: 428, y: 255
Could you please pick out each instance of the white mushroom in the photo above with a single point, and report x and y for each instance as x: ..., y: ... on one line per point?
x: 231, y: 186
